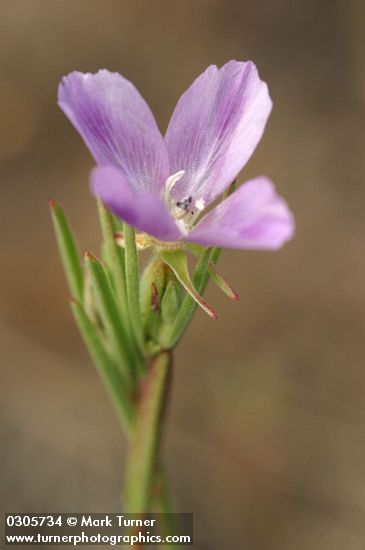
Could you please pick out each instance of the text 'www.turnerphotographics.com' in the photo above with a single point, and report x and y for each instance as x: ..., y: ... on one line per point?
x: 103, y: 529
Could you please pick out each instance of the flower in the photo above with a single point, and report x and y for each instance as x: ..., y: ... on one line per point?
x: 163, y: 185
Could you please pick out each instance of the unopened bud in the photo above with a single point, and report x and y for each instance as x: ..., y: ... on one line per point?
x: 171, y: 301
x: 153, y: 282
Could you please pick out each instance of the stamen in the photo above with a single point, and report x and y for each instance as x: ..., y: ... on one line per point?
x: 185, y: 204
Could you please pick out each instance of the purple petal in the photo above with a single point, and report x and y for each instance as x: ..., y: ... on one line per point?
x: 215, y: 128
x: 144, y: 211
x: 117, y: 126
x: 254, y: 216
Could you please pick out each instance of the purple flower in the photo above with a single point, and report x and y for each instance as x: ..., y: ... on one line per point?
x: 162, y: 185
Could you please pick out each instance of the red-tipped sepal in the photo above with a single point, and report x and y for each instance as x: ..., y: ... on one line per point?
x: 222, y: 283
x: 178, y: 263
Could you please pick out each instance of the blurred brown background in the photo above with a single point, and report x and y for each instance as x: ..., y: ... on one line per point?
x: 266, y: 436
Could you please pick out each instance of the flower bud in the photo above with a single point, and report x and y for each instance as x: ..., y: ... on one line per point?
x: 170, y: 301
x: 152, y: 286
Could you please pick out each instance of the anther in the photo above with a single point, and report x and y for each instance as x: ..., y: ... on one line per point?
x: 185, y: 204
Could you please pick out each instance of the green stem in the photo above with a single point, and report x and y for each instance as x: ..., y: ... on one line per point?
x: 116, y: 386
x: 144, y: 444
x: 132, y: 280
x: 162, y: 504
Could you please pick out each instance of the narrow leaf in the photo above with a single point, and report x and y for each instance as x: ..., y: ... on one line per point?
x: 143, y: 449
x: 68, y: 251
x: 109, y: 314
x: 132, y: 280
x: 114, y: 257
x: 108, y: 371
x: 177, y: 261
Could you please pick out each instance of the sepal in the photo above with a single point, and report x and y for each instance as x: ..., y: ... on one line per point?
x: 177, y: 261
x: 222, y: 283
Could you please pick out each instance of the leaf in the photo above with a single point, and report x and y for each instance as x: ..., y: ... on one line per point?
x: 109, y: 314
x: 132, y: 280
x: 68, y: 251
x: 177, y: 261
x: 114, y: 258
x: 107, y: 369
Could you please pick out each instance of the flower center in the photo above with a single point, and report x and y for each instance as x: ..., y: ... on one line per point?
x: 185, y: 210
